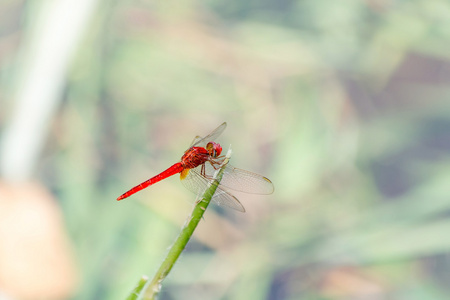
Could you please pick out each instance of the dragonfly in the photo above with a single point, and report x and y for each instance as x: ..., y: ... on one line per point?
x: 197, y: 167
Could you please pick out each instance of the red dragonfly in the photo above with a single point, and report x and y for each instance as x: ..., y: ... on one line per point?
x: 197, y: 167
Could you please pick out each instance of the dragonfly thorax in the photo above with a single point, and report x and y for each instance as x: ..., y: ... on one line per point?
x: 194, y: 157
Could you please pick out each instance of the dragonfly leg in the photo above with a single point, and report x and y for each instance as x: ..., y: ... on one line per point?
x: 215, y: 163
x: 202, y: 170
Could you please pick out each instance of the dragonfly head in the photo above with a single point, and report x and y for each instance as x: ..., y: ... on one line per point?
x: 214, y: 149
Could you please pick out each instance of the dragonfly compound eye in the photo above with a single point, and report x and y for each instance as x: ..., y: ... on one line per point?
x: 214, y: 149
x: 217, y: 149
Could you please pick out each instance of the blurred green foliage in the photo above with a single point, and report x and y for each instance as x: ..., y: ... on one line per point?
x: 344, y: 105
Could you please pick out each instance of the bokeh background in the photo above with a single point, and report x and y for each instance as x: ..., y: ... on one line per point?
x: 344, y: 105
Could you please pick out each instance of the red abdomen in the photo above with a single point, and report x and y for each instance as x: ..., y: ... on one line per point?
x: 176, y: 168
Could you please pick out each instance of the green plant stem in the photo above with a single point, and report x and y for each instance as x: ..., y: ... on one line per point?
x: 134, y: 295
x: 152, y: 290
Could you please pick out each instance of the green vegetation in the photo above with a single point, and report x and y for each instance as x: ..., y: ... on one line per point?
x: 344, y: 105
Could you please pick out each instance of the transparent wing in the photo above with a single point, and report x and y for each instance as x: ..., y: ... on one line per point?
x: 201, y: 142
x: 223, y: 198
x: 197, y: 184
x: 241, y: 180
x: 195, y: 140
